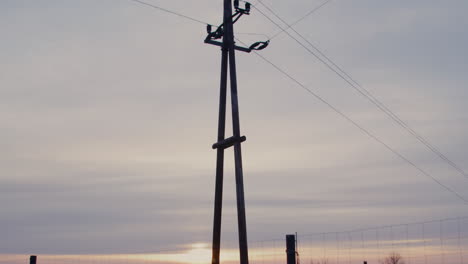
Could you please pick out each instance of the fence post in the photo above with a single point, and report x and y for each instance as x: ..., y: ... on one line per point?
x: 32, y: 259
x: 291, y: 249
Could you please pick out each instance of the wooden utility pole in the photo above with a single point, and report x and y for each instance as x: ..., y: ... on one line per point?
x: 228, y: 62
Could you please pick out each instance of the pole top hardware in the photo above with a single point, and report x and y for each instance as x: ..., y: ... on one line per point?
x: 219, y: 32
x: 245, y: 10
x: 259, y: 45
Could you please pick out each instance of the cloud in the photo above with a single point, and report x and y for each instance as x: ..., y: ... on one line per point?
x: 109, y: 110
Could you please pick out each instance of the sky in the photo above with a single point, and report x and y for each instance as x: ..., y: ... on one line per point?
x: 108, y: 110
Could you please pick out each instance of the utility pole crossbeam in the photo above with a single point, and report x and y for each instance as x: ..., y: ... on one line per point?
x: 228, y: 62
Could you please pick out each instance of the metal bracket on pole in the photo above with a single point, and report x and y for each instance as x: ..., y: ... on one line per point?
x: 219, y: 32
x: 216, y: 43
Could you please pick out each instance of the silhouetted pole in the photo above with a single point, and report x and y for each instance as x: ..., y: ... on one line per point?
x: 291, y: 249
x: 220, y: 158
x: 32, y: 259
x: 241, y: 218
x: 228, y: 62
x: 228, y: 55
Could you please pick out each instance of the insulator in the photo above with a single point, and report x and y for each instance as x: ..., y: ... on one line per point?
x: 259, y: 45
x: 247, y: 7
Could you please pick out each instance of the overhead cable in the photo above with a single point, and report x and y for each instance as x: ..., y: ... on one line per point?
x: 364, y: 92
x: 170, y: 12
x: 362, y: 129
x: 389, y: 226
x: 300, y: 19
x: 365, y: 131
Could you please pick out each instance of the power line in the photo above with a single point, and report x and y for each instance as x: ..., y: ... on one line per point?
x: 300, y: 19
x: 364, y: 92
x: 170, y: 12
x: 193, y: 19
x: 297, y: 21
x: 320, y: 98
x: 365, y: 131
x: 389, y: 226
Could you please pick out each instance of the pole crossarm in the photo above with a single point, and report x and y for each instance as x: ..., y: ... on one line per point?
x: 228, y: 142
x: 220, y: 44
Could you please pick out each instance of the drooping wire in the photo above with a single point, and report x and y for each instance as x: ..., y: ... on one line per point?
x: 170, y: 12
x: 359, y: 88
x: 300, y: 19
x: 365, y: 131
x: 381, y: 242
x: 388, y: 226
x: 274, y: 35
x: 193, y: 19
x: 297, y: 21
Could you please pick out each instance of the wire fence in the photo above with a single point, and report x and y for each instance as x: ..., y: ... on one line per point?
x: 431, y: 242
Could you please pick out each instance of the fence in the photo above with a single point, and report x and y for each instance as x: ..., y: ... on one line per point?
x: 431, y: 242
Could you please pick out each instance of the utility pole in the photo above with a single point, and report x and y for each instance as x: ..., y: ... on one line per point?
x: 228, y: 62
